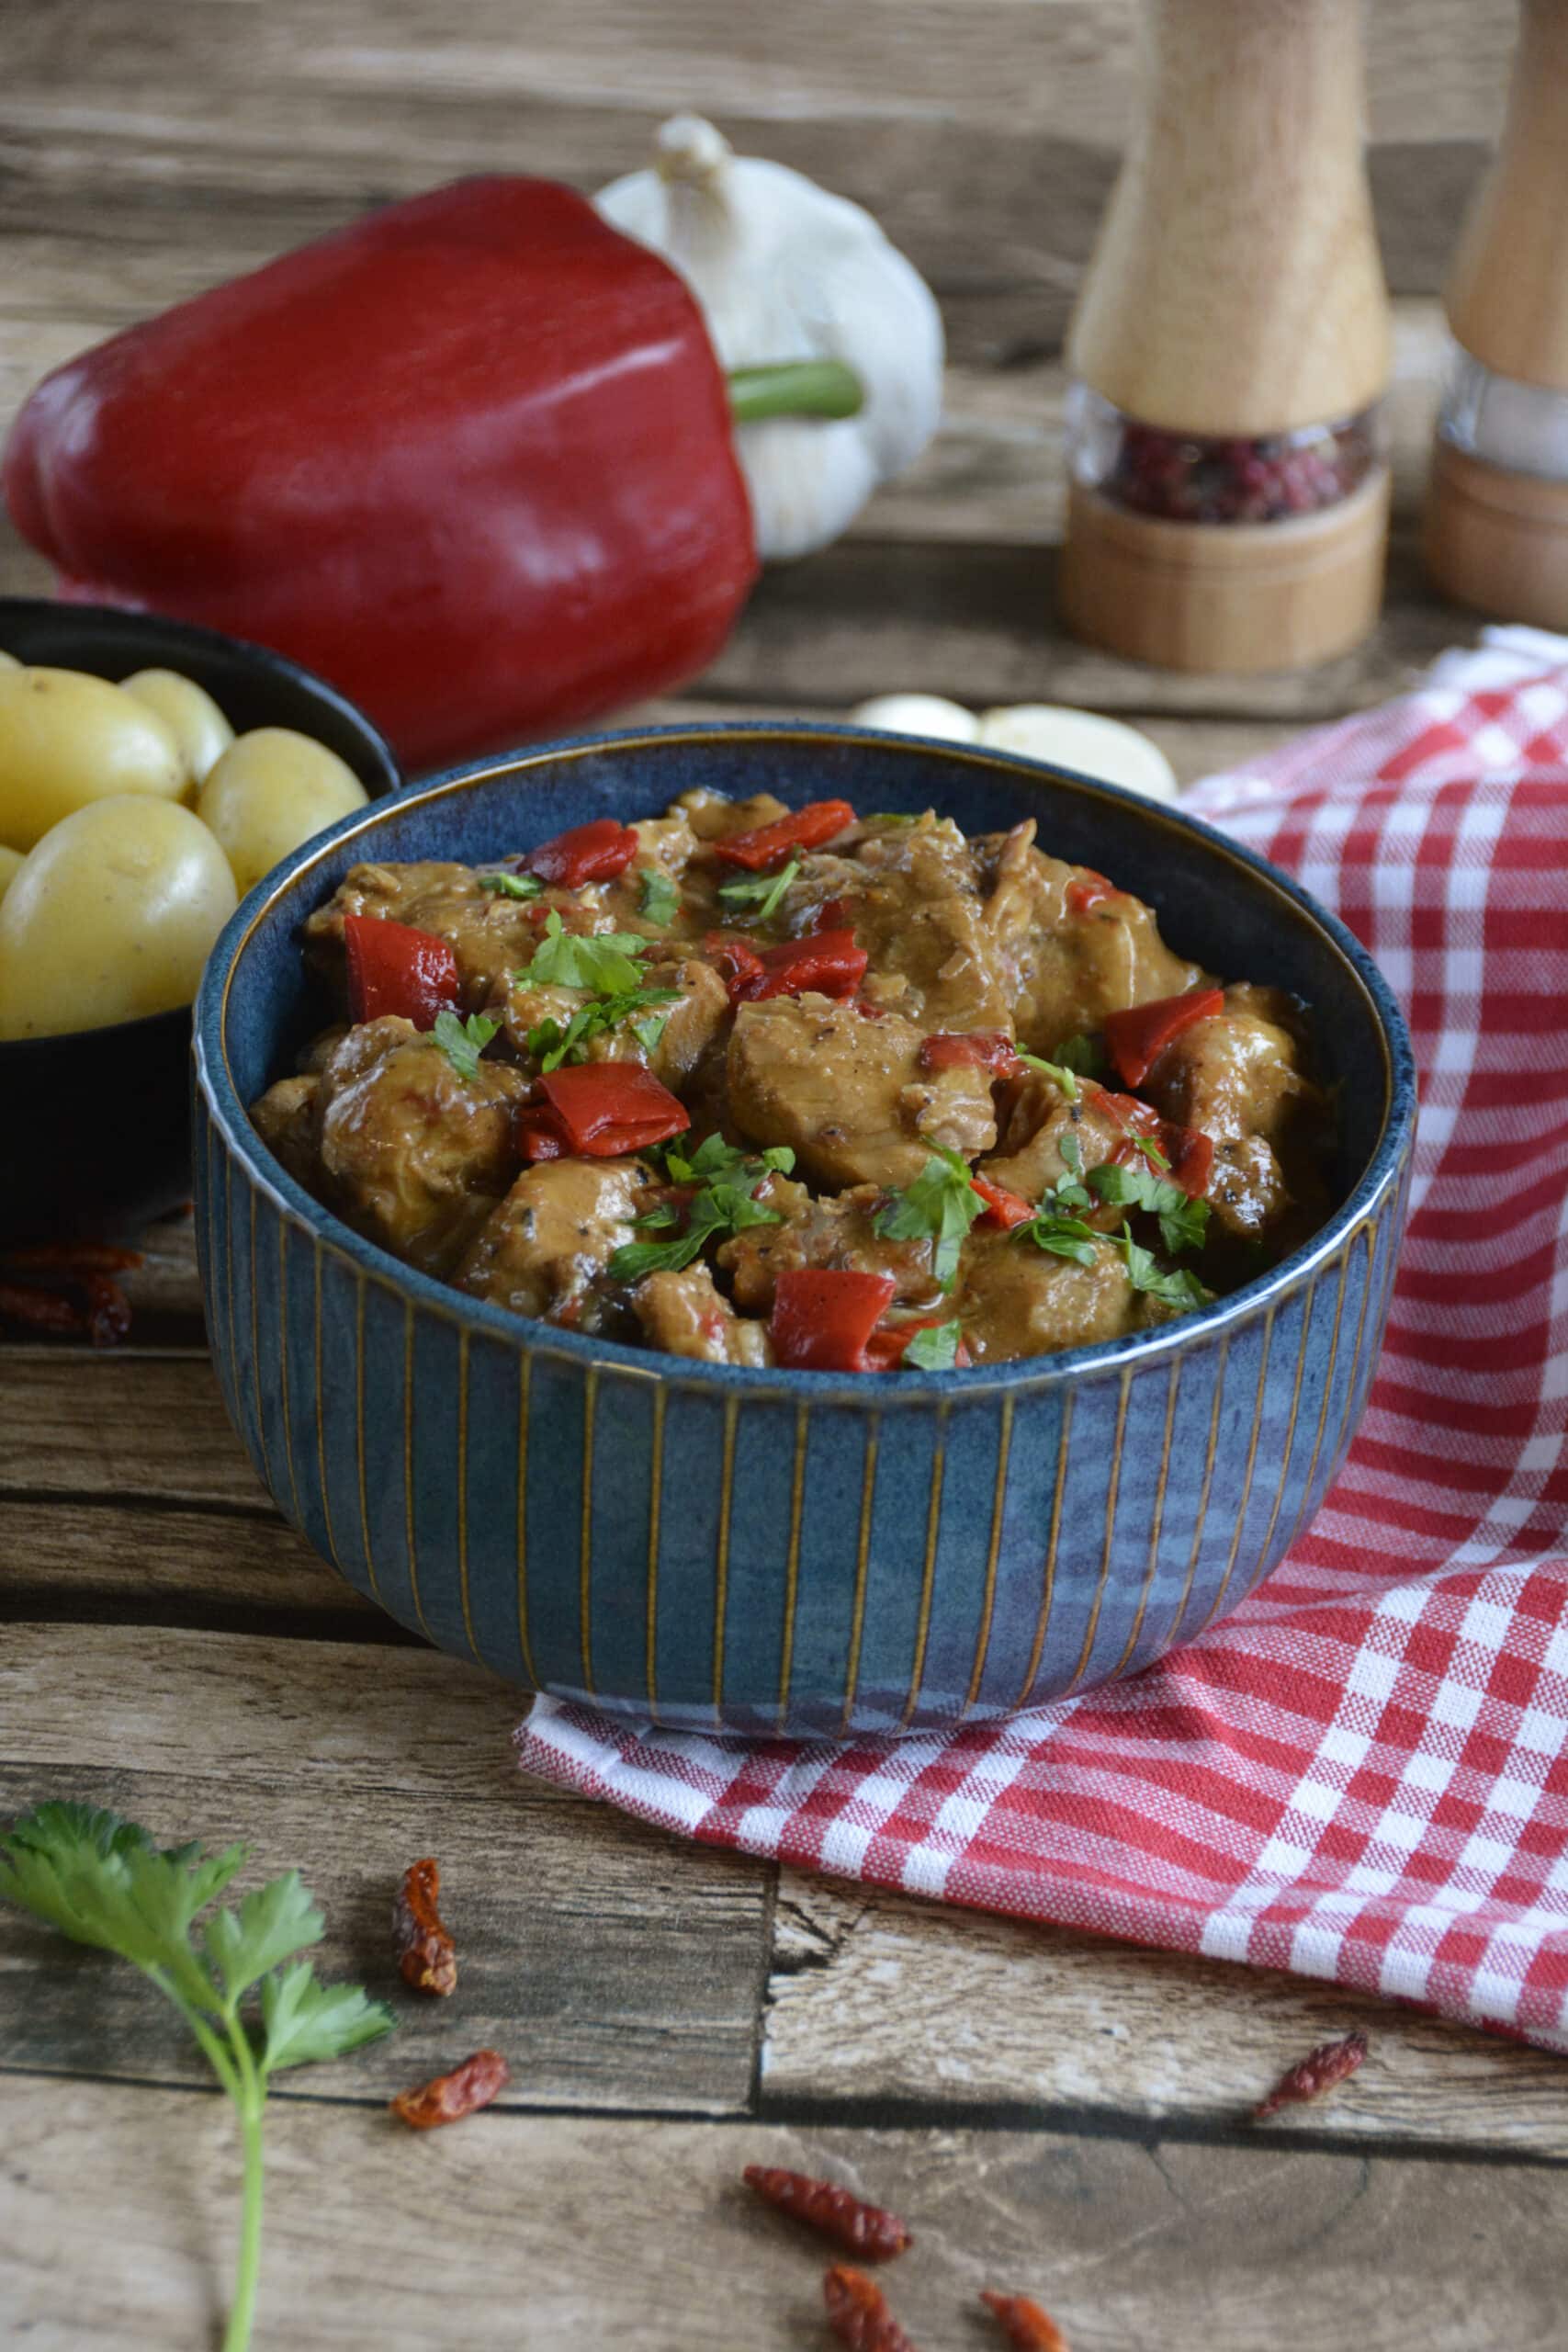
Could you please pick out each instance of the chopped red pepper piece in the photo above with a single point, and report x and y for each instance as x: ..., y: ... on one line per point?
x: 1003, y: 1207
x: 1192, y: 1156
x: 538, y: 1133
x: 738, y: 965
x: 605, y: 1109
x: 392, y: 967
x: 1133, y: 1118
x: 595, y: 853
x: 885, y: 1349
x: 1090, y: 890
x: 823, y: 1317
x: 767, y: 845
x: 831, y: 915
x: 990, y: 1050
x: 1135, y: 1039
x: 827, y: 963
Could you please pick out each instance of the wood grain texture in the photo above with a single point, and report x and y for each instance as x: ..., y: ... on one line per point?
x: 120, y: 1427
x: 515, y: 2231
x: 612, y: 1966
x: 880, y: 1996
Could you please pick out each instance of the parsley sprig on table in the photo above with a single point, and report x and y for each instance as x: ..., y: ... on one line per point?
x: 101, y: 1881
x: 940, y: 1207
x: 725, y: 1202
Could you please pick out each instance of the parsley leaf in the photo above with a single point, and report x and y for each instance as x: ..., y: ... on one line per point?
x: 1057, y: 1071
x: 726, y: 1203
x: 463, y: 1042
x: 607, y: 962
x: 1060, y: 1236
x: 511, y: 886
x: 550, y: 1045
x: 765, y: 891
x: 1183, y: 1223
x: 659, y: 900
x: 101, y: 1881
x: 940, y: 1206
x: 1181, y: 1289
x: 1081, y: 1054
x: 935, y: 1349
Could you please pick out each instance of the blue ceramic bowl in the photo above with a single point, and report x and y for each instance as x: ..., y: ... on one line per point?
x: 786, y: 1552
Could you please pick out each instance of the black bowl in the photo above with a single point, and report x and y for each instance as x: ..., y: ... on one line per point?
x: 97, y: 1122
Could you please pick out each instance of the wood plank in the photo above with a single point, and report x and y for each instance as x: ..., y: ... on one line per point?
x: 897, y: 2003
x: 542, y: 2230
x: 120, y: 1428
x: 612, y: 1966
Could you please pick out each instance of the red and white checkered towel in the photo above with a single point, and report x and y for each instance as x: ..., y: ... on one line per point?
x: 1363, y: 1773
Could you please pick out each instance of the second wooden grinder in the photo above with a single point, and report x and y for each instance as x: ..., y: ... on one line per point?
x: 1228, y: 490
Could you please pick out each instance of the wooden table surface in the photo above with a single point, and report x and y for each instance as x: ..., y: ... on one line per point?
x: 1049, y: 2110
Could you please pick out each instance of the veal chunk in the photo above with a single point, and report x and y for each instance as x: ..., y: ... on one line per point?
x: 485, y: 934
x: 687, y: 1025
x: 848, y: 1093
x: 546, y: 1250
x: 1068, y: 965
x: 840, y: 1233
x: 911, y: 895
x: 413, y: 1154
x: 1237, y: 1077
x: 1030, y: 1159
x: 286, y: 1121
x: 1015, y: 1300
x: 682, y: 1313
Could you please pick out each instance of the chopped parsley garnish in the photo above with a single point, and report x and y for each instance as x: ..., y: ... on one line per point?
x: 1057, y: 1071
x: 764, y: 891
x: 659, y: 900
x: 550, y: 1045
x: 1183, y: 1222
x: 1061, y: 1236
x: 1181, y: 1289
x: 726, y: 1203
x: 940, y: 1207
x: 935, y: 1348
x: 463, y: 1042
x: 511, y: 886
x: 609, y: 963
x: 1081, y: 1054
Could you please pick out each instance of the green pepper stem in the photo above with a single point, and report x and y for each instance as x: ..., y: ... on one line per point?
x: 795, y: 388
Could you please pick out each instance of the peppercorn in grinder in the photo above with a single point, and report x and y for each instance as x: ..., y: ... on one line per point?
x: 1497, y: 529
x: 1227, y: 504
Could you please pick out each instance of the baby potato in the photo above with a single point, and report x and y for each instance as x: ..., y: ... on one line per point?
x: 190, y: 713
x: 9, y: 861
x: 67, y: 739
x: 270, y: 791
x: 111, y: 916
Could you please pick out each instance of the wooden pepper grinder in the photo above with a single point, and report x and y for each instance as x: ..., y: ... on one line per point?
x: 1497, y: 512
x: 1228, y: 491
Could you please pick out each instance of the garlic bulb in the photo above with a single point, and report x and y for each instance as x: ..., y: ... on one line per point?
x: 917, y: 715
x: 785, y: 271
x: 1048, y: 731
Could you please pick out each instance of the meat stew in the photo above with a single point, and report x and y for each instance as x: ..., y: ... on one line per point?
x: 757, y: 1085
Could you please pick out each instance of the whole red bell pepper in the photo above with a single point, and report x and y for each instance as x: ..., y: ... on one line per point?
x: 470, y: 458
x: 1135, y: 1039
x: 394, y: 969
x: 823, y: 1315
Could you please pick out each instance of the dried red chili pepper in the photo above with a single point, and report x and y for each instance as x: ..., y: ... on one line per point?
x: 446, y: 2099
x: 1003, y: 1207
x: 767, y: 845
x: 859, y: 2228
x: 990, y: 1050
x: 393, y: 967
x: 108, y: 1310
x: 71, y: 1257
x: 1024, y: 2324
x: 1318, y: 2072
x: 42, y: 1310
x: 101, y: 1315
x: 858, y: 2312
x: 592, y: 853
x: 427, y: 1958
x: 1134, y: 1039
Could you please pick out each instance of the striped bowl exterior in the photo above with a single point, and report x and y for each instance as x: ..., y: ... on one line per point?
x: 632, y: 1538
x: 787, y: 1553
